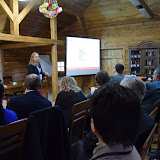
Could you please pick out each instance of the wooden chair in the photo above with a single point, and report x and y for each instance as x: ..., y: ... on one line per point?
x: 12, y: 138
x: 79, y: 114
x: 147, y: 144
x: 153, y: 114
x: 157, y: 104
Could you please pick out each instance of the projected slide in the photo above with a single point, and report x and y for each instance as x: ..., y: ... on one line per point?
x: 83, y: 56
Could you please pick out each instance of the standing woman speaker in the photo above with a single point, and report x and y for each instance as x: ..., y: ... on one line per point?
x: 34, y: 67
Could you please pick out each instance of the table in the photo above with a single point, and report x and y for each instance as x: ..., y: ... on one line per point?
x: 11, y: 89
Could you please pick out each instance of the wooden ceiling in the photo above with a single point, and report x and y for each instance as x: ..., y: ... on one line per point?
x: 35, y: 24
x: 102, y: 13
x: 94, y: 13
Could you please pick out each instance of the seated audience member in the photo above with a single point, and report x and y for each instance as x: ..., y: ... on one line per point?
x: 115, y: 114
x: 70, y: 94
x: 152, y: 94
x: 117, y: 77
x: 146, y: 122
x: 101, y: 78
x: 31, y: 101
x: 6, y: 116
x: 154, y: 155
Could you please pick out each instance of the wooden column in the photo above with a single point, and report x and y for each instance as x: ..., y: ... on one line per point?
x: 53, y: 27
x: 14, y: 25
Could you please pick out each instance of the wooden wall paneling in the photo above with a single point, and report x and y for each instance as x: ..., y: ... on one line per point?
x: 9, y: 72
x: 112, y: 56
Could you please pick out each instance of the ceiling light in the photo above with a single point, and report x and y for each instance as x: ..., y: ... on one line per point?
x: 135, y: 2
x: 145, y: 13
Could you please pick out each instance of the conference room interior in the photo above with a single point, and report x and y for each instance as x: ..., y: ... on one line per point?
x: 81, y: 39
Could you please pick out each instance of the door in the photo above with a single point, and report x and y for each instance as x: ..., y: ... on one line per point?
x: 110, y: 57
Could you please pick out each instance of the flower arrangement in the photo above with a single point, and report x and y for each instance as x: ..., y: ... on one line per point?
x: 50, y: 10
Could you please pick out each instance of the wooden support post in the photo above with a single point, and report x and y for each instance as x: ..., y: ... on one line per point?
x: 2, y: 63
x: 14, y: 25
x: 82, y: 25
x: 53, y: 27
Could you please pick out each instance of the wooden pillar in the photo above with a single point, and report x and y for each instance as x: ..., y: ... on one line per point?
x: 14, y: 25
x: 53, y: 27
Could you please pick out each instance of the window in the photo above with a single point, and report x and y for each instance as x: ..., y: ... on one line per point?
x: 60, y: 65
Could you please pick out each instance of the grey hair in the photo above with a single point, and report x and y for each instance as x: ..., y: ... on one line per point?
x: 157, y: 72
x: 136, y: 85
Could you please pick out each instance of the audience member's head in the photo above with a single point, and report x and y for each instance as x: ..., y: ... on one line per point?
x: 1, y: 92
x: 136, y: 85
x: 156, y: 74
x: 1, y: 109
x: 115, y: 114
x: 69, y: 83
x: 102, y: 77
x: 32, y: 82
x: 119, y: 68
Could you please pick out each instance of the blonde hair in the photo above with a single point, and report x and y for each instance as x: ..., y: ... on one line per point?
x: 31, y: 58
x: 69, y: 83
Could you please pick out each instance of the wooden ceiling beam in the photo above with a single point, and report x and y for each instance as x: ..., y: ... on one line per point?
x: 144, y: 5
x: 6, y: 9
x: 18, y: 38
x: 26, y: 10
x: 21, y: 45
x: 81, y: 22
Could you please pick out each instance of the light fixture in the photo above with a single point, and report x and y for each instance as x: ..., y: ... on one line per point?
x: 135, y: 2
x: 145, y: 13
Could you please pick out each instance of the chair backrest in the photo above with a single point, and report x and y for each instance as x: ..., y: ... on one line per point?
x: 12, y: 137
x: 79, y: 114
x: 148, y: 143
x: 153, y: 114
x: 157, y: 104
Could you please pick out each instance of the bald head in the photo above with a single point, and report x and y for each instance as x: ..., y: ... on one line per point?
x: 32, y: 82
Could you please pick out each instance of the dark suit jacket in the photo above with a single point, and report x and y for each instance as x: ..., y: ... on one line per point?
x: 152, y: 95
x: 66, y: 100
x: 116, y: 78
x: 33, y: 69
x: 145, y: 127
x: 25, y: 104
x: 46, y: 135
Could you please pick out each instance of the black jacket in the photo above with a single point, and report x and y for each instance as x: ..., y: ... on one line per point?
x: 33, y: 69
x: 152, y: 95
x: 25, y: 104
x: 116, y: 78
x: 46, y: 135
x: 66, y: 100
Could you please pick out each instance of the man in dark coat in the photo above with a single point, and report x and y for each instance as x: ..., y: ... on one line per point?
x: 31, y: 101
x: 152, y: 94
x: 117, y: 77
